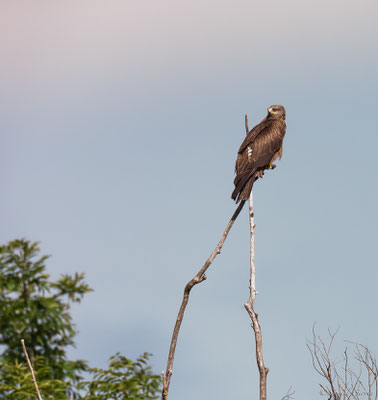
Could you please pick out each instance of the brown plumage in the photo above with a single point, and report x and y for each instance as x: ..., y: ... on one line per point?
x: 261, y: 146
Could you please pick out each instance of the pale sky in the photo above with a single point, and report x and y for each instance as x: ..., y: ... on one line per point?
x: 120, y: 124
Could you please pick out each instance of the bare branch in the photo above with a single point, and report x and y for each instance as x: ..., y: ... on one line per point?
x: 289, y: 394
x: 346, y: 373
x: 345, y: 382
x: 249, y: 306
x: 31, y: 370
x: 246, y: 124
x: 315, y: 351
x: 200, y: 277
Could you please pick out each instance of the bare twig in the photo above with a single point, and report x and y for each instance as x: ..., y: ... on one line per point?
x: 200, y: 277
x: 31, y: 370
x: 321, y: 361
x: 345, y: 381
x: 263, y: 371
x: 246, y: 124
x: 289, y: 395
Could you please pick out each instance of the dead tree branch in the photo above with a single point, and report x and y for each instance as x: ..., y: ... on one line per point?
x: 345, y: 380
x: 31, y: 370
x: 249, y: 305
x: 289, y: 394
x: 200, y: 277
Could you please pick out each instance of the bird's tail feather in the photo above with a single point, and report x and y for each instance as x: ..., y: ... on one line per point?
x: 243, y: 185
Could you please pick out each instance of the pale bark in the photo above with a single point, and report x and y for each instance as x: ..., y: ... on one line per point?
x: 200, y: 277
x: 31, y: 370
x: 249, y: 305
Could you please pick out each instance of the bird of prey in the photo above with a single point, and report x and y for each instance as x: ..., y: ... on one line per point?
x: 261, y: 146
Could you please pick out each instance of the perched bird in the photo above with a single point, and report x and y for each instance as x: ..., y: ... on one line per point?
x: 261, y: 146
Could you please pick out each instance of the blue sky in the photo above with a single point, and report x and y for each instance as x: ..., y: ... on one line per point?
x: 120, y: 125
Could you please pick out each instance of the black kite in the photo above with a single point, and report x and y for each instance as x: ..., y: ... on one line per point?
x: 262, y: 145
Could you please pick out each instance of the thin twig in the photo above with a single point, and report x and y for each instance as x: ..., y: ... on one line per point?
x: 344, y: 382
x: 31, y: 370
x: 246, y: 124
x: 252, y: 295
x: 200, y: 277
x: 289, y: 394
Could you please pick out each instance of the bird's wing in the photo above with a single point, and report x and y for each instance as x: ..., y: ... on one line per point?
x: 261, y: 146
x: 253, y: 133
x: 259, y: 151
x: 266, y: 145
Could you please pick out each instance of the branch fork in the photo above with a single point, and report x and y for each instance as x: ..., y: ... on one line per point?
x: 200, y: 277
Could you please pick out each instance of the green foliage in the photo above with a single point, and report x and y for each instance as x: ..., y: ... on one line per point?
x: 73, y: 287
x: 37, y: 310
x: 124, y: 379
x: 16, y: 381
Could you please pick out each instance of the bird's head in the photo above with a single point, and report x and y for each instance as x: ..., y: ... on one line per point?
x: 276, y: 111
